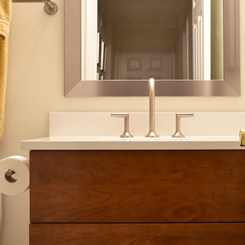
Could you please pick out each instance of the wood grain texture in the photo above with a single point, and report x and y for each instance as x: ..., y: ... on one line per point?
x: 150, y: 234
x: 137, y: 186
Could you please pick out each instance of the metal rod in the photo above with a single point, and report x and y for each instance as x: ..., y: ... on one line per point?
x: 49, y: 7
x: 9, y: 176
x: 10, y: 173
x: 28, y: 1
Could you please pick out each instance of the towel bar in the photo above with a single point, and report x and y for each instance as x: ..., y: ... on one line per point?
x: 49, y: 7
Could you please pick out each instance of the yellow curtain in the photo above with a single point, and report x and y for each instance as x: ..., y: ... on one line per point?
x: 5, y: 17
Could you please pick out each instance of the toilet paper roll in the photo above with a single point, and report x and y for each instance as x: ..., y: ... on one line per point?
x: 14, y: 175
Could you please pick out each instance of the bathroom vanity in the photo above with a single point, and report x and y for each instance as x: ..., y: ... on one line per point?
x: 97, y: 190
x: 153, y: 197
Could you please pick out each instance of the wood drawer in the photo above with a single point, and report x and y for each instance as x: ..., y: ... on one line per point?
x: 150, y: 234
x: 137, y: 186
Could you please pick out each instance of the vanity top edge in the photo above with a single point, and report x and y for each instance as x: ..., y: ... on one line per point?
x: 136, y: 143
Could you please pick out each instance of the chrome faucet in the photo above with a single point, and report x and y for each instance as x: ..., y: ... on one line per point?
x: 152, y: 132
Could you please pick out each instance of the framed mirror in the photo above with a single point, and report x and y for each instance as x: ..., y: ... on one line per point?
x: 112, y: 47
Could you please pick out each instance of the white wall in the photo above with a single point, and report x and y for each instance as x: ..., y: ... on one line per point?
x: 35, y: 87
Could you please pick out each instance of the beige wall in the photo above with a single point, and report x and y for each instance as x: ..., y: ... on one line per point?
x: 35, y: 87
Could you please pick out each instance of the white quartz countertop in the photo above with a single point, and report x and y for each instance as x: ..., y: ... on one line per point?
x: 136, y: 143
x: 99, y: 131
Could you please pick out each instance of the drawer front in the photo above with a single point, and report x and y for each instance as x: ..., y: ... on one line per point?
x: 154, y: 234
x: 137, y: 186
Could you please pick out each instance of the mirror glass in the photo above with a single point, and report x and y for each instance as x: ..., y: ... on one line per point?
x: 190, y: 47
x: 164, y: 39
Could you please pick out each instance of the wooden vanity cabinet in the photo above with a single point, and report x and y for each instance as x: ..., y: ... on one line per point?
x: 137, y: 197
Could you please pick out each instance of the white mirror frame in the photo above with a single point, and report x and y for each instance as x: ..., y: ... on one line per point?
x: 75, y: 87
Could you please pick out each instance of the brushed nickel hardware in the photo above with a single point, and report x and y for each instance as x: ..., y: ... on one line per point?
x: 152, y: 132
x: 178, y: 133
x: 49, y: 7
x: 9, y: 176
x: 126, y: 133
x: 242, y: 137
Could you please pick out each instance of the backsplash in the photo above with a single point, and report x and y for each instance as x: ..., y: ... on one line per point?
x: 102, y: 124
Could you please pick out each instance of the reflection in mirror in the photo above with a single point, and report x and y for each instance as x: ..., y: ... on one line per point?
x: 190, y: 47
x: 140, y: 39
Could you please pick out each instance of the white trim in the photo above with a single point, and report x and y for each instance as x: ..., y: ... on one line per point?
x: 102, y: 55
x: 202, y: 39
x: 207, y: 40
x: 83, y: 39
x: 89, y: 40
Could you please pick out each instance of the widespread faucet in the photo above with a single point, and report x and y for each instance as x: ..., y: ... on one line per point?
x: 152, y: 132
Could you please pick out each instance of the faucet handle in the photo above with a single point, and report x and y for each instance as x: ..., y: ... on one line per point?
x: 126, y: 133
x: 178, y: 133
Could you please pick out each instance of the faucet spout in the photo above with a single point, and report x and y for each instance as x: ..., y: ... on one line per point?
x: 152, y: 132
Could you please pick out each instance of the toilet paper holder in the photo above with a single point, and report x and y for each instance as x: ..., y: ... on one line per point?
x: 9, y: 176
x: 14, y: 175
